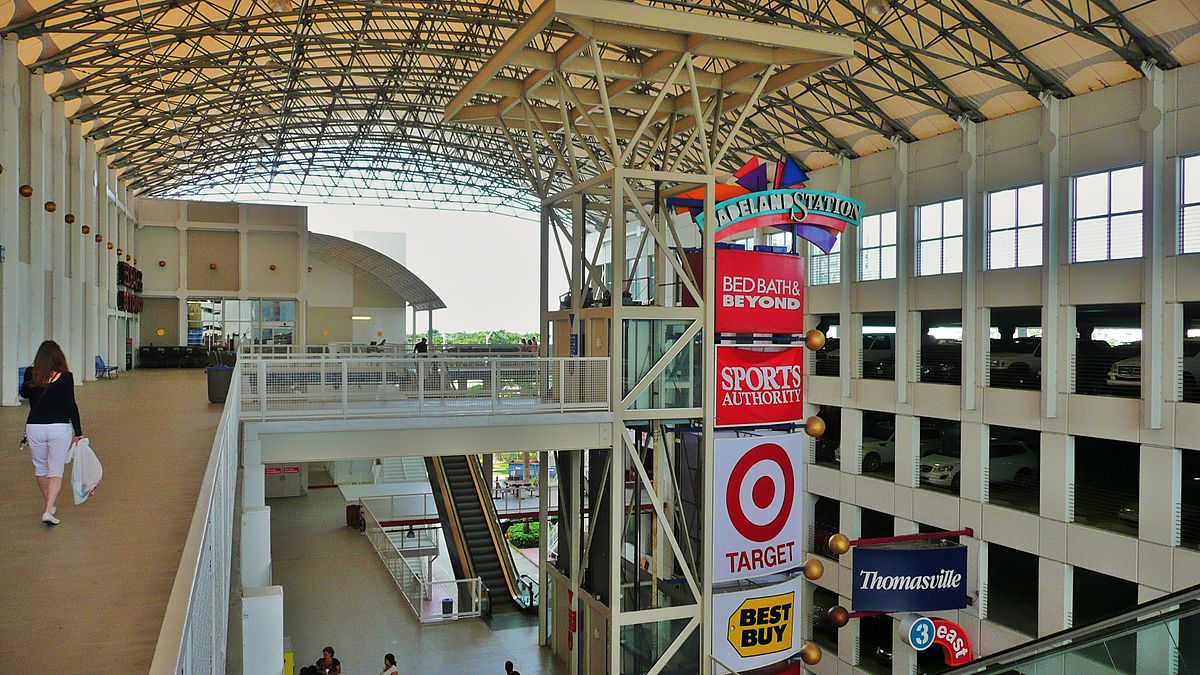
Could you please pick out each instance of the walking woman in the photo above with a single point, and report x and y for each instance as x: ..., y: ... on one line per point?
x: 53, y: 423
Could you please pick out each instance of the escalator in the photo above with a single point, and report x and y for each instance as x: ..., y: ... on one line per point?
x: 1159, y: 636
x: 476, y: 544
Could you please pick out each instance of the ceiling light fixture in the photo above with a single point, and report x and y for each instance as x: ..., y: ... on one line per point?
x: 876, y: 8
x: 281, y: 6
x: 360, y: 318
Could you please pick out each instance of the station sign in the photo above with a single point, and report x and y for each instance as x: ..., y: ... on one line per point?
x: 922, y: 632
x: 762, y: 625
x: 817, y: 216
x: 909, y: 578
x: 758, y: 522
x: 757, y: 387
x: 757, y: 291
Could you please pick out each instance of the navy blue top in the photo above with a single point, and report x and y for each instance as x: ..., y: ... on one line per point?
x: 53, y: 403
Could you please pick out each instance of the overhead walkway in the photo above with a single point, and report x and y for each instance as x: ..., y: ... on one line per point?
x: 69, y: 601
x: 1160, y: 636
x: 476, y: 544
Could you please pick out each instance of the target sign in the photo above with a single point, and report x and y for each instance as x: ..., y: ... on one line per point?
x: 759, y: 526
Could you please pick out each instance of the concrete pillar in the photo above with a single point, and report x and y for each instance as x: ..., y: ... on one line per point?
x: 1154, y: 147
x: 908, y: 450
x: 10, y: 229
x: 103, y: 219
x: 850, y: 344
x: 850, y: 524
x: 61, y: 308
x: 905, y: 258
x: 1057, y: 479
x: 262, y: 630
x: 975, y: 451
x: 37, y: 318
x: 77, y: 245
x: 93, y: 312
x: 256, y: 546
x: 1056, y: 594
x: 973, y: 261
x: 1055, y: 251
x: 1159, y: 494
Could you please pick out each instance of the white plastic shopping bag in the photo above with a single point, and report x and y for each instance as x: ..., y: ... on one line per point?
x: 86, y: 471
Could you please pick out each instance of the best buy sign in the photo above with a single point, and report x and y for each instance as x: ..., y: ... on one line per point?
x: 763, y: 625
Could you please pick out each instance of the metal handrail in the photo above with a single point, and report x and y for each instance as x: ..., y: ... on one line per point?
x: 1167, y: 608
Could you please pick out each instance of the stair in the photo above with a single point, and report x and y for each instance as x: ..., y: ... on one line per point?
x: 473, y: 519
x: 403, y: 470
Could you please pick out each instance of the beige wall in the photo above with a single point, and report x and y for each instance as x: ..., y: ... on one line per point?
x: 160, y: 313
x: 205, y: 247
x: 155, y: 244
x: 329, y: 324
x: 281, y: 249
x: 369, y: 296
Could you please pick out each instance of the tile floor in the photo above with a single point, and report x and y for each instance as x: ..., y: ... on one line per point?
x: 338, y: 593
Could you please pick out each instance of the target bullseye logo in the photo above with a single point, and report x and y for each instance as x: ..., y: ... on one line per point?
x: 760, y: 492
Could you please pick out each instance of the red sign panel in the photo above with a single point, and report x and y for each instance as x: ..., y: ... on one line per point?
x: 272, y: 471
x: 954, y: 641
x: 291, y: 469
x: 759, y: 387
x: 757, y: 292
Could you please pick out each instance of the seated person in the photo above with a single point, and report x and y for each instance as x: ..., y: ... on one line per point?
x: 327, y: 665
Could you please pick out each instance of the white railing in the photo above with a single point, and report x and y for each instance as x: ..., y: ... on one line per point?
x: 195, y: 629
x: 421, y: 506
x: 432, y: 601
x: 333, y: 385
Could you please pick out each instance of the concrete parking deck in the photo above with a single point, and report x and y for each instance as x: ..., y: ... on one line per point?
x: 89, y: 595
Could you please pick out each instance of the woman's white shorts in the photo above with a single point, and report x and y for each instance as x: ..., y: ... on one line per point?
x: 49, y: 443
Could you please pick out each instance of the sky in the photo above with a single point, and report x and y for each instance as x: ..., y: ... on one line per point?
x: 484, y: 266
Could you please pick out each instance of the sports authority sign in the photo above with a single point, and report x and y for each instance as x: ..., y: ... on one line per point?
x: 759, y: 386
x: 757, y: 291
x: 760, y: 625
x: 759, y: 524
x: 909, y: 579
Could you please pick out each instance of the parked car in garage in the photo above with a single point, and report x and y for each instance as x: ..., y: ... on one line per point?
x: 879, y: 444
x: 1016, y: 363
x: 1126, y: 374
x: 1010, y: 462
x: 1094, y: 359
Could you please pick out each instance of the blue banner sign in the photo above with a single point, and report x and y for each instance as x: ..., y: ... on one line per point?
x: 909, y: 579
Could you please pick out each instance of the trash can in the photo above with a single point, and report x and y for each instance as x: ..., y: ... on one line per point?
x: 219, y: 378
x: 447, y: 606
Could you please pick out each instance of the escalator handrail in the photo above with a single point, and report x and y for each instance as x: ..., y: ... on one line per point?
x: 456, y: 532
x: 1166, y: 608
x: 507, y: 565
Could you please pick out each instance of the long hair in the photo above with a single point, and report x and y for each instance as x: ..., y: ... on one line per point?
x: 49, y: 359
x: 389, y: 660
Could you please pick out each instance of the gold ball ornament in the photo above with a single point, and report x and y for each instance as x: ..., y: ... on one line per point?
x: 99, y: 237
x: 25, y: 190
x: 160, y: 332
x: 272, y: 267
x: 839, y: 544
x: 212, y: 266
x: 810, y: 654
x: 814, y: 339
x: 86, y: 229
x: 837, y: 616
x: 50, y: 207
x: 110, y: 245
x: 69, y: 218
x: 120, y: 252
x: 814, y: 426
x: 162, y: 263
x: 128, y: 257
x: 813, y: 569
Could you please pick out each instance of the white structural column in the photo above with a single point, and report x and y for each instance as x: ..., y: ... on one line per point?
x: 1056, y: 594
x: 10, y: 231
x: 92, y: 322
x: 616, y: 478
x: 39, y: 241
x: 103, y: 218
x: 1054, y: 341
x: 851, y: 342
x: 968, y: 163
x: 905, y: 254
x: 60, y: 308
x: 262, y: 630
x: 849, y: 524
x: 76, y: 245
x: 1153, y: 262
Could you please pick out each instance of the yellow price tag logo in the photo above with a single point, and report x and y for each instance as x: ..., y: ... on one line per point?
x: 762, y: 626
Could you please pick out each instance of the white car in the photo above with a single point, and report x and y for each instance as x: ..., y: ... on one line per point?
x: 877, y: 452
x: 1126, y: 374
x: 1009, y: 462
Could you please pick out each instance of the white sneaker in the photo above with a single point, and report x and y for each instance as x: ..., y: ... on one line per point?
x: 49, y: 519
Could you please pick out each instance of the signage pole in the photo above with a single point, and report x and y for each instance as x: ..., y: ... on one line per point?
x: 710, y: 406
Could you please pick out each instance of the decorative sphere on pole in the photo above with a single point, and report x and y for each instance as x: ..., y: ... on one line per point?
x: 813, y: 569
x: 810, y: 654
x: 837, y: 616
x: 814, y: 426
x: 839, y: 543
x: 814, y: 339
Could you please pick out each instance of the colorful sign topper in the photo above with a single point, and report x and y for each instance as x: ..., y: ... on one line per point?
x: 922, y: 632
x: 760, y: 625
x: 751, y: 202
x: 909, y: 578
x: 759, y: 522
